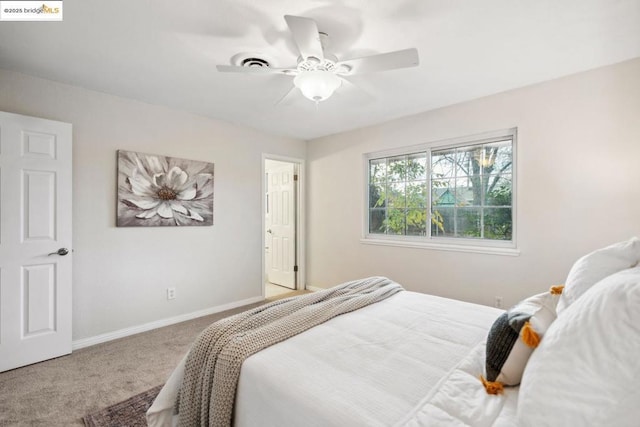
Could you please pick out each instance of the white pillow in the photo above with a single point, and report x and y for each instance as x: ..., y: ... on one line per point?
x: 597, y: 265
x: 585, y: 371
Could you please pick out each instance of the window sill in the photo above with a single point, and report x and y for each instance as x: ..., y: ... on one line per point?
x: 488, y: 250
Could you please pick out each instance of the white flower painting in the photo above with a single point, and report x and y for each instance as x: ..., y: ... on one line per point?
x: 163, y: 191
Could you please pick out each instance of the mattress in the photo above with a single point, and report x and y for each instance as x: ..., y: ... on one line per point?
x: 378, y: 366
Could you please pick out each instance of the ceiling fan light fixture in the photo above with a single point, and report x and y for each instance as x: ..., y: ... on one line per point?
x: 317, y: 85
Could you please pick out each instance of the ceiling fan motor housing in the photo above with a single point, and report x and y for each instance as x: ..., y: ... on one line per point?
x: 315, y: 64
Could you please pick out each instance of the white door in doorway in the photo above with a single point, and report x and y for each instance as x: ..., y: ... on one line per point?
x: 280, y: 224
x: 35, y: 240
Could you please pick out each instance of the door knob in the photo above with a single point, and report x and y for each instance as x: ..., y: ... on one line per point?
x: 61, y: 252
x: 269, y: 231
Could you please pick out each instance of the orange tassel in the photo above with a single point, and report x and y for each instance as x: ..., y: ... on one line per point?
x: 529, y: 336
x: 556, y: 290
x: 492, y: 387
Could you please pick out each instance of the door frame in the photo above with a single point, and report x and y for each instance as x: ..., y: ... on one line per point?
x: 300, y: 242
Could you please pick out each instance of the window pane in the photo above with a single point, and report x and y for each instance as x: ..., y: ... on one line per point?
x: 377, y: 196
x: 498, y: 157
x: 397, y: 168
x: 468, y: 222
x: 498, y: 223
x: 468, y: 161
x: 416, y: 222
x: 416, y: 192
x: 443, y: 164
x: 396, y: 196
x: 469, y: 192
x: 442, y: 222
x: 498, y: 190
x: 417, y: 167
x: 395, y: 222
x: 377, y: 170
x: 443, y: 192
x: 376, y: 221
x: 464, y: 182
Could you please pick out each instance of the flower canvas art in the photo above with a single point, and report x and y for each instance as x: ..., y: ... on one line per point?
x: 163, y: 191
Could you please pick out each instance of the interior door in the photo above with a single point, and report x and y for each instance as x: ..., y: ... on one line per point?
x: 35, y: 240
x: 281, y: 225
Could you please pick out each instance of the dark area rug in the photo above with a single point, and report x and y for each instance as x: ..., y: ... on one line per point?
x: 129, y: 413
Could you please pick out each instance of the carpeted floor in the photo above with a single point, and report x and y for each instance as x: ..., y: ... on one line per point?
x: 61, y: 391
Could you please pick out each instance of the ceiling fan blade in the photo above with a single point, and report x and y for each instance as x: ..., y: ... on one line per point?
x: 305, y: 34
x: 254, y: 70
x: 384, y: 61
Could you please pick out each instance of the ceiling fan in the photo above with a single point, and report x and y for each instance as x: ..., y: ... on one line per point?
x: 318, y: 74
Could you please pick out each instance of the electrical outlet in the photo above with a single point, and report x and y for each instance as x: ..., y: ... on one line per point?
x: 498, y: 302
x: 171, y: 293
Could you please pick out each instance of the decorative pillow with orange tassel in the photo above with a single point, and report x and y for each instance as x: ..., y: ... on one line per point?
x: 513, y: 337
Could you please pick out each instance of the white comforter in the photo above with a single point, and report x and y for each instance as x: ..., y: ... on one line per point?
x: 459, y: 400
x: 379, y: 366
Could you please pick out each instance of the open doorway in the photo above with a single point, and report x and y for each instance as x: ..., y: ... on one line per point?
x: 282, y: 236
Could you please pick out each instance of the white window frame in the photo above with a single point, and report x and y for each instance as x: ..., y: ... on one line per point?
x: 486, y: 246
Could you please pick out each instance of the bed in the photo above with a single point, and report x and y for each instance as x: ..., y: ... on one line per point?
x: 415, y: 360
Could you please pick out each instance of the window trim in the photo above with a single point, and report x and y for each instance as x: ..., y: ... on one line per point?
x: 486, y: 246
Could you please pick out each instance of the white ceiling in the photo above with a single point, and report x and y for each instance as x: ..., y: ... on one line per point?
x: 166, y: 52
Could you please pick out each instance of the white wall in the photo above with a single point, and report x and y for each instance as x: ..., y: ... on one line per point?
x: 578, y: 187
x: 120, y: 274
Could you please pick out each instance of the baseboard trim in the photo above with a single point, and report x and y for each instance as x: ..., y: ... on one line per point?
x: 314, y: 288
x: 110, y: 336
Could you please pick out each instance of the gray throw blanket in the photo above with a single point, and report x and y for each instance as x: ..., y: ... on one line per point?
x: 212, y: 369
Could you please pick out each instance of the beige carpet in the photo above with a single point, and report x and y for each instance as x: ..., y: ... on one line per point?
x: 61, y: 391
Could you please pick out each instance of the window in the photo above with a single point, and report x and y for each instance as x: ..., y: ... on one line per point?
x: 454, y: 192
